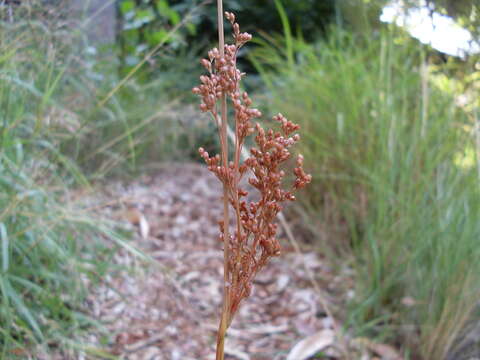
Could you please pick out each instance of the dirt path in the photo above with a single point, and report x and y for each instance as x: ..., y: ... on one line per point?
x: 170, y: 310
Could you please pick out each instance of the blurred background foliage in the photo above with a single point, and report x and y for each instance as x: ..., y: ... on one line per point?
x: 391, y: 134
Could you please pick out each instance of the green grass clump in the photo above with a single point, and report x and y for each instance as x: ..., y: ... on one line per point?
x: 66, y: 122
x: 389, y: 184
x: 49, y: 240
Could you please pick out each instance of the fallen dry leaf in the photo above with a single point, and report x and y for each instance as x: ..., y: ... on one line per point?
x: 312, y: 345
x: 387, y: 352
x: 144, y: 227
x: 135, y: 217
x: 132, y: 215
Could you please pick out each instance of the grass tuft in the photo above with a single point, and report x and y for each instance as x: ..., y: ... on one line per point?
x: 385, y: 144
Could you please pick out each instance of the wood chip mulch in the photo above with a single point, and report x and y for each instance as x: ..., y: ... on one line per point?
x: 169, y: 308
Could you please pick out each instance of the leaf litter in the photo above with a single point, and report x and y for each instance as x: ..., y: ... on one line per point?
x: 169, y: 308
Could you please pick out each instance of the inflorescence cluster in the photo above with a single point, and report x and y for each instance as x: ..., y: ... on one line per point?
x: 253, y: 242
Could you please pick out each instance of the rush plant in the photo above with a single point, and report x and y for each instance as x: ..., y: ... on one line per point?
x: 252, y: 243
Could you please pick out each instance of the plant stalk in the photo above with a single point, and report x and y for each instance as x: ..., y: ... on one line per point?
x: 226, y: 218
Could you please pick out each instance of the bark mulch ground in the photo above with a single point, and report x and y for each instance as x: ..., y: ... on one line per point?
x: 168, y: 308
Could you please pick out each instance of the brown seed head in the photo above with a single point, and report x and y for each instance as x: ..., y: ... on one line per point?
x: 254, y: 240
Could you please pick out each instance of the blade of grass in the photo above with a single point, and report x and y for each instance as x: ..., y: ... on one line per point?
x: 5, y: 248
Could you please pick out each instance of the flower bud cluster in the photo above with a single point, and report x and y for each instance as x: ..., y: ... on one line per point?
x: 302, y: 178
x: 213, y: 162
x: 254, y: 242
x: 223, y: 79
x: 258, y: 240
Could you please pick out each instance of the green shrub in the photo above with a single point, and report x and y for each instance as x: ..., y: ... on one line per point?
x: 388, y: 183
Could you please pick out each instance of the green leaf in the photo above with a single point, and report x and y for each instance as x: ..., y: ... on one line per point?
x: 174, y: 17
x: 23, y: 309
x: 157, y: 37
x: 165, y: 10
x: 5, y: 247
x: 192, y: 29
x: 145, y: 15
x: 162, y: 7
x: 126, y: 6
x: 26, y: 283
x: 286, y: 29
